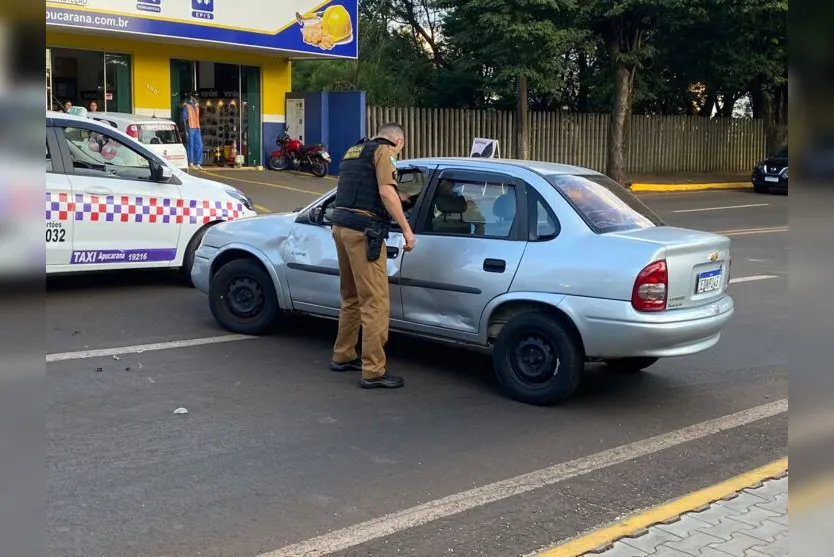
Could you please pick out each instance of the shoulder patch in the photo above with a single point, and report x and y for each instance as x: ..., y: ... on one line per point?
x: 393, y: 160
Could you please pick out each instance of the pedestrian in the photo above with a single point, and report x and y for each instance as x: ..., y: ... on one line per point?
x: 190, y: 118
x: 93, y: 106
x: 366, y: 200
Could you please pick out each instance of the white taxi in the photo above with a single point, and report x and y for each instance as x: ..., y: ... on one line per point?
x: 160, y: 135
x: 111, y: 203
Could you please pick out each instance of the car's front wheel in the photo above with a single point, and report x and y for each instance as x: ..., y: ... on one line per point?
x: 242, y: 297
x: 537, y: 359
x: 630, y: 365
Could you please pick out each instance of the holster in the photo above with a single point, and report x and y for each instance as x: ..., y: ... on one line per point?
x: 376, y: 234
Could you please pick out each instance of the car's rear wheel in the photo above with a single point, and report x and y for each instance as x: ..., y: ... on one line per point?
x: 760, y: 189
x: 242, y: 297
x: 537, y: 359
x: 630, y: 365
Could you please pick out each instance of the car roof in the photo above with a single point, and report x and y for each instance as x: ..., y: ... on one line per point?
x: 539, y: 167
x: 126, y: 117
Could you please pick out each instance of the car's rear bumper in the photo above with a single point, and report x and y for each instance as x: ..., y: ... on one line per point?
x: 760, y: 184
x: 613, y: 329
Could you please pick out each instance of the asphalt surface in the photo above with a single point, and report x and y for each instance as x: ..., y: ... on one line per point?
x: 275, y: 449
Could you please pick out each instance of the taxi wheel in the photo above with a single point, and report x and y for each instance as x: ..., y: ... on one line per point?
x: 242, y: 297
x: 190, y: 251
x: 630, y: 365
x: 537, y: 359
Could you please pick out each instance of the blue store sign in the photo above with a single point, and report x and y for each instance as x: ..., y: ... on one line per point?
x: 310, y: 27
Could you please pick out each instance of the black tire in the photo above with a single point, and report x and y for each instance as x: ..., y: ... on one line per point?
x: 538, y: 360
x: 278, y: 163
x: 760, y: 189
x: 242, y: 297
x: 190, y: 251
x: 318, y: 167
x: 630, y: 365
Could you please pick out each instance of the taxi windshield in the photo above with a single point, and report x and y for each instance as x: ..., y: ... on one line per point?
x: 603, y: 204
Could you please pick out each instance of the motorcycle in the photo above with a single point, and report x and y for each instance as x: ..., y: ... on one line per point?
x: 291, y: 153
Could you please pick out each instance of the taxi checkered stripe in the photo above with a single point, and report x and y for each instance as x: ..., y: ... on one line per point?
x: 127, y: 208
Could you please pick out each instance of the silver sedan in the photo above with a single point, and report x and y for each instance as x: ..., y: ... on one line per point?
x: 548, y: 266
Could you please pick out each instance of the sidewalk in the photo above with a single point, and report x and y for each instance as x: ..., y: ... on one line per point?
x: 753, y: 524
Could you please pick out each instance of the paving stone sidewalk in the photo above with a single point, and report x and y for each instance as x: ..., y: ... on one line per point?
x: 753, y: 524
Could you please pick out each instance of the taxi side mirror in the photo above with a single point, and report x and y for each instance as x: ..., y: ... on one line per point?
x: 160, y: 172
x: 316, y: 215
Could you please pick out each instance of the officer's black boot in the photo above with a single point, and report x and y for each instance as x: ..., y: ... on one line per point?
x: 386, y: 381
x: 355, y: 365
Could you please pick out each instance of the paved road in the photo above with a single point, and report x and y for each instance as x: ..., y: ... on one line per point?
x: 276, y: 450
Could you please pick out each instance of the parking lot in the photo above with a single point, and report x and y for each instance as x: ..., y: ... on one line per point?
x: 279, y: 456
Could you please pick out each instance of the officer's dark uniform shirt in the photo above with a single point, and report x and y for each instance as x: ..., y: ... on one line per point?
x: 365, y: 168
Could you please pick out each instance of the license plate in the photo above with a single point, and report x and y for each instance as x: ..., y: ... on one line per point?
x: 771, y: 178
x: 708, y: 281
x: 325, y: 155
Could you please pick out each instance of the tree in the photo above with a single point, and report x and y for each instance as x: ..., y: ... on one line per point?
x: 626, y: 29
x: 510, y: 43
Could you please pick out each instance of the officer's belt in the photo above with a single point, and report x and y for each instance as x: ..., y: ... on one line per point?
x: 353, y: 219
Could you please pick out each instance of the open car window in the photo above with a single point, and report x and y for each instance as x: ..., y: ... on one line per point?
x: 604, y: 204
x: 96, y: 154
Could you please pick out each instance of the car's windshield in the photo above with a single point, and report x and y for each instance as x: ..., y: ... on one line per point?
x: 158, y: 134
x: 603, y: 204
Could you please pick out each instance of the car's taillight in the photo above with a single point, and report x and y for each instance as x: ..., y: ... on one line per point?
x: 133, y: 131
x: 650, y: 288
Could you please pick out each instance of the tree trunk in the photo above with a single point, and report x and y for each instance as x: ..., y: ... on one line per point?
x: 775, y: 114
x: 615, y: 167
x: 523, y: 127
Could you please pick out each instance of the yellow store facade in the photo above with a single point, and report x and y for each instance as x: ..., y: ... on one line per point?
x: 144, y: 57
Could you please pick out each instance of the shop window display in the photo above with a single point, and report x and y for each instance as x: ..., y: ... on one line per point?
x: 224, y: 127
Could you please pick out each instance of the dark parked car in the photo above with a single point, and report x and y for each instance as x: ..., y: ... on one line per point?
x: 772, y: 173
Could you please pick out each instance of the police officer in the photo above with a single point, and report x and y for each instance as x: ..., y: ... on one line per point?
x: 366, y: 202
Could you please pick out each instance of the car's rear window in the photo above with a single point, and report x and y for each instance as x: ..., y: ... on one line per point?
x: 158, y: 134
x: 603, y: 204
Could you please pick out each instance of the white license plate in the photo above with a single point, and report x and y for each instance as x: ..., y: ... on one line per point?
x: 771, y: 178
x: 709, y: 281
x: 325, y: 155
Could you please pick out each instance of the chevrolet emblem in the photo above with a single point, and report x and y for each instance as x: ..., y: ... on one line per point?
x: 713, y: 256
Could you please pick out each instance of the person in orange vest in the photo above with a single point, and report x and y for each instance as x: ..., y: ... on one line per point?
x: 191, y: 123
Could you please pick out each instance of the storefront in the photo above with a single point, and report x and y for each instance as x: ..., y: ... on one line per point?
x: 145, y: 56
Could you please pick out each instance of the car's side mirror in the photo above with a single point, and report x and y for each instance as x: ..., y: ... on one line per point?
x: 161, y: 172
x: 316, y: 215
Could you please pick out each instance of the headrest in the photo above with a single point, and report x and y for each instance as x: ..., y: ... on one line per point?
x: 504, y: 206
x: 451, y: 204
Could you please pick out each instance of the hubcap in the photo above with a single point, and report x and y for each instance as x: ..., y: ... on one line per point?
x: 534, y: 359
x: 244, y: 298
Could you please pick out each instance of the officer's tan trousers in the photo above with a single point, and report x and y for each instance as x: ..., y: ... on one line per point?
x: 365, y: 302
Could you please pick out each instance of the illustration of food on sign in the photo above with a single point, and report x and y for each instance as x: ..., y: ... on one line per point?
x: 327, y: 28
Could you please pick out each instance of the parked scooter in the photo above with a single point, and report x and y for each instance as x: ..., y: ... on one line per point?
x: 291, y: 153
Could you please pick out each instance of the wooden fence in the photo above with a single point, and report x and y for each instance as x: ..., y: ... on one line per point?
x: 654, y: 144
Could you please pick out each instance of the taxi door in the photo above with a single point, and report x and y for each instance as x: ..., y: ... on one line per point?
x: 59, y: 215
x: 122, y: 218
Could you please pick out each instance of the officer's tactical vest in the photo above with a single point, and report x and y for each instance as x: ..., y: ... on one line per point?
x: 358, y: 188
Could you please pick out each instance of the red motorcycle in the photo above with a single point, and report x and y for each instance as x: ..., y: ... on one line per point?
x: 291, y: 153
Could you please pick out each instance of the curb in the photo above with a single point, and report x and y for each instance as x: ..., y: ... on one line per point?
x: 690, y: 187
x: 600, y: 540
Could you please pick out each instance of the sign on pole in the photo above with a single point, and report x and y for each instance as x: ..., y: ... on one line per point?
x: 485, y: 148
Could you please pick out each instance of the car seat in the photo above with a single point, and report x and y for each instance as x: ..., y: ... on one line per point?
x: 449, y: 205
x: 504, y: 210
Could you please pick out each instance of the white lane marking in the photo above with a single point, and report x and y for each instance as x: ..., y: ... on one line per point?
x: 752, y: 278
x: 339, y: 540
x: 84, y: 354
x: 721, y: 208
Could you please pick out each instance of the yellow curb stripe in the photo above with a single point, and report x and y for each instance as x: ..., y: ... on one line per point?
x: 691, y: 187
x: 662, y: 513
x: 278, y: 186
x: 747, y: 231
x: 297, y: 173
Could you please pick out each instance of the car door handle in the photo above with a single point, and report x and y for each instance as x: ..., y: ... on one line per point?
x: 98, y: 190
x: 495, y: 265
x: 392, y: 252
